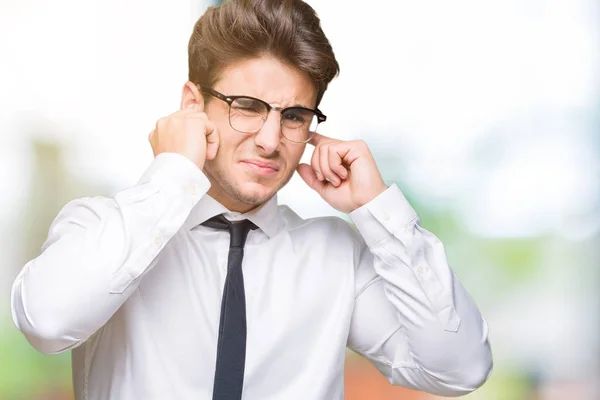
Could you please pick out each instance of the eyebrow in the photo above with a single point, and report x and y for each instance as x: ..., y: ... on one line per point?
x: 300, y: 105
x: 293, y: 105
x: 260, y: 98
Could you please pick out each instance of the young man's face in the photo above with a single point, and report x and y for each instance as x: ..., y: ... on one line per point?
x: 250, y: 168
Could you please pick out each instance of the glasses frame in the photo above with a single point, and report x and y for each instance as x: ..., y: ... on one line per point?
x: 230, y: 99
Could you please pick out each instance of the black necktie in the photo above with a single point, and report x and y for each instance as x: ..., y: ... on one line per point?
x: 231, y: 347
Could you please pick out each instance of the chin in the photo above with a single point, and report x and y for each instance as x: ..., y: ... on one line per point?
x: 254, y: 193
x: 244, y: 188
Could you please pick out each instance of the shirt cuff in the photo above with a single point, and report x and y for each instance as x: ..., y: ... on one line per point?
x: 180, y: 184
x: 169, y: 169
x: 385, y: 215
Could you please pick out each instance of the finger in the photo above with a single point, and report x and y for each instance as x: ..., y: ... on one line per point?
x: 325, y: 167
x: 317, y: 138
x: 308, y: 175
x: 212, y: 140
x: 190, y: 110
x: 209, y: 126
x: 197, y: 106
x: 337, y: 152
x: 193, y: 107
x: 315, y: 163
x: 194, y: 113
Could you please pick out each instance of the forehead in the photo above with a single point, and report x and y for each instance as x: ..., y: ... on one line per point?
x: 268, y: 79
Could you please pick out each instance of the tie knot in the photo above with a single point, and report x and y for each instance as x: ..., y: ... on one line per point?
x: 238, y: 230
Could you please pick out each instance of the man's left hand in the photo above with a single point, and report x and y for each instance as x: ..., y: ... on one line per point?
x: 343, y: 173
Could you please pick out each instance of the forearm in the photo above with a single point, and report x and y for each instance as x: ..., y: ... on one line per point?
x: 448, y: 349
x: 441, y: 343
x: 96, y: 253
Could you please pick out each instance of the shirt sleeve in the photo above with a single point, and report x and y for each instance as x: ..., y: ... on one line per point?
x: 413, y: 319
x: 97, y: 251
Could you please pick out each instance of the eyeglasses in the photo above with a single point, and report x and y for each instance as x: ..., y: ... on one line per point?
x: 248, y: 114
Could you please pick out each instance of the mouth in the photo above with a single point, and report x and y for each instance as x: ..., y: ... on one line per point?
x: 263, y: 168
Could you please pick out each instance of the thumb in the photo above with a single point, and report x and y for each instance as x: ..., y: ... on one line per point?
x: 308, y: 175
x: 212, y: 140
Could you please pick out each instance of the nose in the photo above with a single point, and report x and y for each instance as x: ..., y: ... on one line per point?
x: 268, y: 138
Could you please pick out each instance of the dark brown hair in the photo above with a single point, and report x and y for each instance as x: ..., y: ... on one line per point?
x: 238, y: 30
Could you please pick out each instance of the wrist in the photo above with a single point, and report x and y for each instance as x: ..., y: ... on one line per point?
x: 370, y: 195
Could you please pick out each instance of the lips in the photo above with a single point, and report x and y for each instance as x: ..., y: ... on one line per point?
x: 262, y: 167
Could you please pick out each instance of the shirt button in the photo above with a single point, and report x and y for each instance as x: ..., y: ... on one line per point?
x: 193, y: 189
x: 385, y: 216
x: 421, y: 271
x: 158, y: 240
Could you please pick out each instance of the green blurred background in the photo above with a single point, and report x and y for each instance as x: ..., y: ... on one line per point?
x: 486, y: 114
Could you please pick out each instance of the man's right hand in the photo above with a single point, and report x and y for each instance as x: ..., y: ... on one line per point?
x: 188, y: 132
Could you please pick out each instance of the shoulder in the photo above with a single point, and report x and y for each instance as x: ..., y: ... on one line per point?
x: 325, y: 229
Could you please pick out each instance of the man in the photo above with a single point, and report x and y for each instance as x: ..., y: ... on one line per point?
x: 158, y: 296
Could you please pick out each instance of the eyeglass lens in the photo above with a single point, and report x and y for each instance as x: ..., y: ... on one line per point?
x: 248, y: 116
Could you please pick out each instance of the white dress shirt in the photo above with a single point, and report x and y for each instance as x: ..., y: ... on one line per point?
x: 132, y: 285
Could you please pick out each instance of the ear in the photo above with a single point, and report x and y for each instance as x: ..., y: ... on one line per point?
x: 191, y: 95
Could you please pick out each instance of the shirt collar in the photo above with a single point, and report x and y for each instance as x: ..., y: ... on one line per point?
x: 266, y: 216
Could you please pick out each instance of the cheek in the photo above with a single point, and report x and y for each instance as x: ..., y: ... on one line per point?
x: 295, y: 154
x: 230, y: 142
x: 292, y: 156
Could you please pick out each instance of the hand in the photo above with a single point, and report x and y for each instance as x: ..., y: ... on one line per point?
x: 343, y: 173
x: 188, y: 132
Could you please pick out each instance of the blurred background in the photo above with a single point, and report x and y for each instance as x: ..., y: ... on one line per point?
x: 486, y: 113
